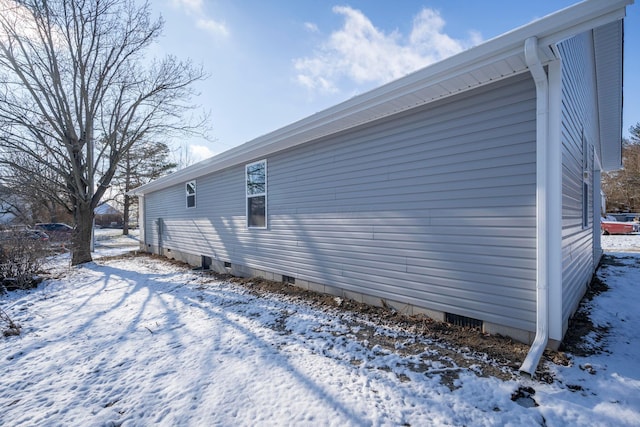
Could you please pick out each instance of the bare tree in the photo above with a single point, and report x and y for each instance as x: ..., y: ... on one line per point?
x: 33, y: 197
x: 76, y: 92
x: 182, y: 156
x: 622, y: 187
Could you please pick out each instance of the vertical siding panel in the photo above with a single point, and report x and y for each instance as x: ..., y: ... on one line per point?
x: 434, y: 207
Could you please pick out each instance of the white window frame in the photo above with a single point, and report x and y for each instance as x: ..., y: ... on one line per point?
x: 250, y: 195
x: 586, y: 181
x: 188, y: 194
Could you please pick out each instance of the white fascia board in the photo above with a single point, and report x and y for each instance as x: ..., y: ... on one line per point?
x: 549, y: 31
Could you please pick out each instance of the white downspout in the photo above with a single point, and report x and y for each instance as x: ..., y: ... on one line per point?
x: 542, y: 191
x: 142, y: 218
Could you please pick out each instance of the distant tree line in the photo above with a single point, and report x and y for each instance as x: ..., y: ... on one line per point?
x: 622, y: 187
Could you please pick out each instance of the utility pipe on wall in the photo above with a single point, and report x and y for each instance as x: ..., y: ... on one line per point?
x: 542, y: 190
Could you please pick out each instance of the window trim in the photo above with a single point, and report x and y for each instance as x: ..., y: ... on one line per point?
x: 586, y: 182
x: 585, y: 204
x: 191, y: 183
x: 255, y: 195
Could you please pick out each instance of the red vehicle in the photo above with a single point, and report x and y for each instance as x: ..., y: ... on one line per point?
x: 609, y: 225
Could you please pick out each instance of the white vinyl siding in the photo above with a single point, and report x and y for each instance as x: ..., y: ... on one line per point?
x: 579, y: 133
x: 433, y: 207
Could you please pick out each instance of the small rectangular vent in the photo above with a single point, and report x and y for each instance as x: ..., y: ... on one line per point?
x: 465, y: 322
x: 288, y: 279
x: 206, y: 262
x: 227, y: 264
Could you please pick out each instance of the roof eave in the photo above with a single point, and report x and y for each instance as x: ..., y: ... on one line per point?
x: 366, y: 107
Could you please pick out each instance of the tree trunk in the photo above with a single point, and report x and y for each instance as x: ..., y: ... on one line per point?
x: 82, y: 236
x: 127, y: 187
x: 125, y: 219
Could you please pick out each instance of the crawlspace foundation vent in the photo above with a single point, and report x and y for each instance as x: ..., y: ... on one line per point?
x: 465, y: 322
x: 206, y: 262
x: 288, y: 279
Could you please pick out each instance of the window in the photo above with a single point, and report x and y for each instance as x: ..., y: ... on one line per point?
x: 585, y: 204
x: 191, y: 194
x: 256, y: 179
x: 586, y: 152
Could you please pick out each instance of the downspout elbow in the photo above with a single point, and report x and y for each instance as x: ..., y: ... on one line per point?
x: 536, y: 69
x: 542, y: 291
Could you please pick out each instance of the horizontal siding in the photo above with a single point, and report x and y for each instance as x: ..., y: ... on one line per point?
x: 579, y: 120
x: 433, y: 207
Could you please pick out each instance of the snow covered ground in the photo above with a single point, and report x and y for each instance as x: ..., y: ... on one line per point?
x: 139, y: 341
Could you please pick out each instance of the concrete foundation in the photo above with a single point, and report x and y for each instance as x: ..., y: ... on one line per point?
x: 225, y: 267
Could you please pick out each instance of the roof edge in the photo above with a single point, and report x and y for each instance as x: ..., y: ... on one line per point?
x: 549, y: 30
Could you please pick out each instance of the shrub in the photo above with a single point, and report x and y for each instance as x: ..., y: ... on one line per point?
x: 11, y: 328
x: 21, y: 255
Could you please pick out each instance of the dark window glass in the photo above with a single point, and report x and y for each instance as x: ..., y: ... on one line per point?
x: 585, y: 205
x: 256, y: 210
x: 191, y: 194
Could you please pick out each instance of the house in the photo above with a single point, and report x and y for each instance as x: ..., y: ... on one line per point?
x: 468, y: 191
x: 108, y: 216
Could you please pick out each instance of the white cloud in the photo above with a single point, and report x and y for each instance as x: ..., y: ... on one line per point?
x: 195, y: 10
x: 363, y: 53
x: 428, y: 38
x: 193, y: 6
x: 200, y: 152
x: 311, y: 27
x: 214, y: 27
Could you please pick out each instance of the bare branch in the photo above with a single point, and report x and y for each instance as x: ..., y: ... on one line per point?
x: 74, y: 76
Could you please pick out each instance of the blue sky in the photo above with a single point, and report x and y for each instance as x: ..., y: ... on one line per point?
x: 274, y: 62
